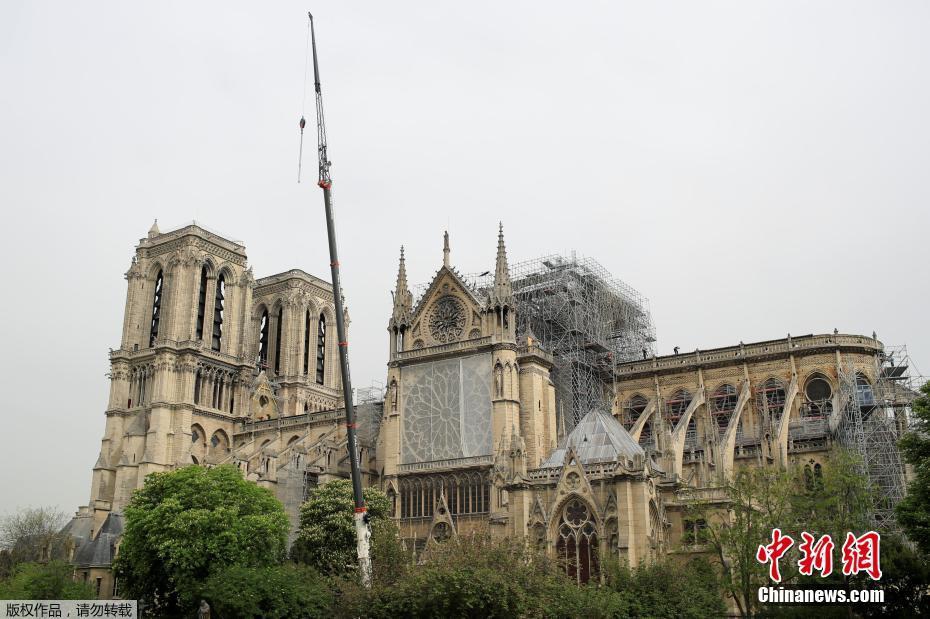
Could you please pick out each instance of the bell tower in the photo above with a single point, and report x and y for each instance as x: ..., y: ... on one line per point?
x: 181, y: 368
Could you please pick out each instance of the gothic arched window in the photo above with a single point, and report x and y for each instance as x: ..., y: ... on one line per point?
x: 321, y: 349
x: 277, y: 341
x: 676, y: 406
x: 722, y: 404
x: 202, y: 303
x: 819, y: 395
x: 156, y: 309
x: 218, y: 312
x: 307, y: 343
x: 263, y: 341
x: 576, y: 546
x: 770, y: 399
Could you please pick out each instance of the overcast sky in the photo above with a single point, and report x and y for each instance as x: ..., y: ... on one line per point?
x: 753, y: 168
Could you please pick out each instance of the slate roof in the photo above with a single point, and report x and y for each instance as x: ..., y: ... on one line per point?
x: 101, y: 550
x: 598, y: 437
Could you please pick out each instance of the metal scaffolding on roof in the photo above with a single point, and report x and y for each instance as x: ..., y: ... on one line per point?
x: 589, y: 320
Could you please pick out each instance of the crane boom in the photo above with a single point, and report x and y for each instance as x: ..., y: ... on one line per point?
x: 362, y: 529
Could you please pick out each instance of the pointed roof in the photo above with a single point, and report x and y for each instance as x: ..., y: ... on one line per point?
x: 598, y: 437
x: 403, y: 298
x: 502, y: 293
x: 154, y: 231
x: 401, y: 274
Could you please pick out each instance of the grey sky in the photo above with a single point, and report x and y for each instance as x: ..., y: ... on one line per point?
x: 753, y: 168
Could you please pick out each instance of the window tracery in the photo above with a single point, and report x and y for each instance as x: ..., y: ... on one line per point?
x: 467, y: 492
x: 576, y: 546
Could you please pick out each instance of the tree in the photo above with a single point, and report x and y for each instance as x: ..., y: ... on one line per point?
x: 183, y: 526
x: 45, y: 581
x: 835, y: 503
x: 33, y: 534
x: 914, y: 510
x: 669, y: 589
x: 759, y: 500
x: 279, y: 592
x: 326, y: 538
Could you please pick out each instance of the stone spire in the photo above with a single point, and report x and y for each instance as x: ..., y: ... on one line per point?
x: 154, y: 231
x: 403, y: 298
x: 502, y: 287
x: 445, y: 249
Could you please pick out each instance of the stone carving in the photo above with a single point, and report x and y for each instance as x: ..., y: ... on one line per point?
x: 447, y: 319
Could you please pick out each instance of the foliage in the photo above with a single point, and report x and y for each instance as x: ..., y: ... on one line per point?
x: 914, y: 511
x: 477, y: 576
x: 45, y: 581
x: 32, y: 534
x: 905, y: 579
x: 669, y: 589
x: 279, y: 592
x: 326, y: 537
x: 183, y: 526
x: 760, y: 500
x: 389, y: 560
x: 469, y: 576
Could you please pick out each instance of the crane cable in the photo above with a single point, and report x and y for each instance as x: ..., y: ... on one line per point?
x: 303, y: 103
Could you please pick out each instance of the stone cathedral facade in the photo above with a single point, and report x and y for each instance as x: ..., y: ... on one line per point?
x: 215, y: 366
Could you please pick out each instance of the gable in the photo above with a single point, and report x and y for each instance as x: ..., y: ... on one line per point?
x: 449, y: 311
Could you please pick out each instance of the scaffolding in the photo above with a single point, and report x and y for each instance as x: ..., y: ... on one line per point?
x: 873, y: 417
x: 587, y: 319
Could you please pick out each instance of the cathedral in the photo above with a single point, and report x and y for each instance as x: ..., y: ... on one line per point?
x: 525, y: 402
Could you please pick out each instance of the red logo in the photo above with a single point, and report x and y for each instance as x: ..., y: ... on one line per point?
x: 817, y: 555
x: 860, y: 554
x: 773, y: 552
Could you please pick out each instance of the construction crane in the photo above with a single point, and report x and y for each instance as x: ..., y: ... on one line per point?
x: 362, y: 527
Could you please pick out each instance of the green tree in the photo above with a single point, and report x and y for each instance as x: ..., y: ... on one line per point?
x: 669, y: 589
x: 326, y: 537
x: 834, y: 503
x: 759, y: 499
x: 278, y: 592
x: 45, y: 581
x: 183, y: 526
x: 914, y: 511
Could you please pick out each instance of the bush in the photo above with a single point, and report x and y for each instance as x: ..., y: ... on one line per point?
x: 277, y: 592
x: 45, y: 581
x: 476, y: 576
x: 669, y: 589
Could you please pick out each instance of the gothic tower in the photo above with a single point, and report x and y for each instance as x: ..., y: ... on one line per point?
x: 199, y: 337
x: 452, y: 435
